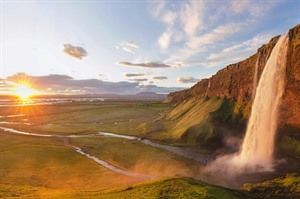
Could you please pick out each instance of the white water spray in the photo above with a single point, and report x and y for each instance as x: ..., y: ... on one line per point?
x: 255, y: 78
x: 258, y: 146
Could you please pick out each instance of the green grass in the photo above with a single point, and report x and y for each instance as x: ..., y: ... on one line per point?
x: 45, y: 163
x: 184, y: 188
x: 45, y: 168
x: 123, y: 118
x: 184, y: 116
x: 137, y: 157
x: 198, y: 122
x: 284, y: 187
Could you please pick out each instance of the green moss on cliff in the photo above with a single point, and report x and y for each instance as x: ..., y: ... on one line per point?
x: 284, y: 187
x: 290, y: 146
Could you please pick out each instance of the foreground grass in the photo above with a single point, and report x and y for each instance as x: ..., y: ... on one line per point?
x: 29, y: 164
x: 184, y: 188
x: 285, y: 187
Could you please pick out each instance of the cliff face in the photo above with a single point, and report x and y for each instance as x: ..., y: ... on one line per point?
x: 235, y: 82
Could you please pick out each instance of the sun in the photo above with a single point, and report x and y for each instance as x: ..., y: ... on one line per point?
x: 24, y: 91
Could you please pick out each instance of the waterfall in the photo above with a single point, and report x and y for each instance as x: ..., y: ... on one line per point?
x: 258, y: 146
x: 255, y: 78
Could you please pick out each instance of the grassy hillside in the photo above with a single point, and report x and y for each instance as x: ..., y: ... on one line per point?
x: 200, y: 121
x: 285, y: 187
x: 184, y: 188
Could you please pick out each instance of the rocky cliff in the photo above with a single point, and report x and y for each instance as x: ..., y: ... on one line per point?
x: 218, y: 107
x: 235, y: 82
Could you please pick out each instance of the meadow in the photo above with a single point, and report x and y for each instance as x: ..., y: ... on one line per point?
x: 32, y: 166
x: 65, y: 162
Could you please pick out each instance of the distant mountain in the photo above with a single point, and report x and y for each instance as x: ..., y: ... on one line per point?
x: 141, y: 95
x: 151, y: 95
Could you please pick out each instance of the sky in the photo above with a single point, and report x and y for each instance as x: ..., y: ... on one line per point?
x: 130, y: 46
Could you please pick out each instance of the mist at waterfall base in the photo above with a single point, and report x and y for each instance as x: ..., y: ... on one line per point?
x: 256, y: 151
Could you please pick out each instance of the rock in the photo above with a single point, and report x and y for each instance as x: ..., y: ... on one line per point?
x: 235, y: 82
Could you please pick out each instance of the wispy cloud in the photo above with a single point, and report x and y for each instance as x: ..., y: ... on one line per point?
x: 128, y: 50
x: 238, y: 51
x: 77, y: 52
x: 6, y: 86
x: 146, y: 64
x: 187, y: 80
x: 135, y: 74
x: 160, y: 77
x: 195, y: 30
x: 131, y: 44
x: 139, y: 80
x: 127, y: 46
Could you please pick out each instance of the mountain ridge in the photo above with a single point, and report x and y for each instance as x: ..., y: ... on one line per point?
x: 235, y: 82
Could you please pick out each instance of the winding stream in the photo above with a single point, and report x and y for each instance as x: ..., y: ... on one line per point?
x: 203, y: 158
x: 80, y: 151
x: 111, y: 167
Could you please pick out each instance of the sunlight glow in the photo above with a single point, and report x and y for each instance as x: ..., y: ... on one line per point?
x: 24, y: 91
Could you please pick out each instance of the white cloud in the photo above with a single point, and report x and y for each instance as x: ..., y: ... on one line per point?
x: 165, y: 39
x: 199, y: 31
x: 146, y: 64
x: 135, y: 74
x: 239, y: 6
x: 157, y: 7
x: 169, y: 18
x: 130, y: 44
x: 139, y: 80
x: 77, y: 52
x: 218, y: 34
x: 127, y: 46
x: 240, y: 51
x: 160, y: 77
x: 185, y: 80
x: 128, y: 50
x: 191, y: 16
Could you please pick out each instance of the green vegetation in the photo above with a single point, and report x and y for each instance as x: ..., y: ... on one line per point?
x: 284, y: 187
x: 184, y: 121
x: 184, y: 188
x: 290, y: 146
x: 29, y: 165
x: 43, y: 167
x: 198, y: 122
x: 134, y: 156
x: 117, y: 117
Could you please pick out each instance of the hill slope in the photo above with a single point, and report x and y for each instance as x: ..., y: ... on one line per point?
x: 217, y: 108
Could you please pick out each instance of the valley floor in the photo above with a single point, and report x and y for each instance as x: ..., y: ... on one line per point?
x: 56, y: 150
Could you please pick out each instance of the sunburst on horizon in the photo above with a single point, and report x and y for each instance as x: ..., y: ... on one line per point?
x: 24, y: 91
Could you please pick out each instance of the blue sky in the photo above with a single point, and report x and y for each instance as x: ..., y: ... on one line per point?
x: 136, y: 45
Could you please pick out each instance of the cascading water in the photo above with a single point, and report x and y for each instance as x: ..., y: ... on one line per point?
x: 258, y: 146
x: 255, y: 78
